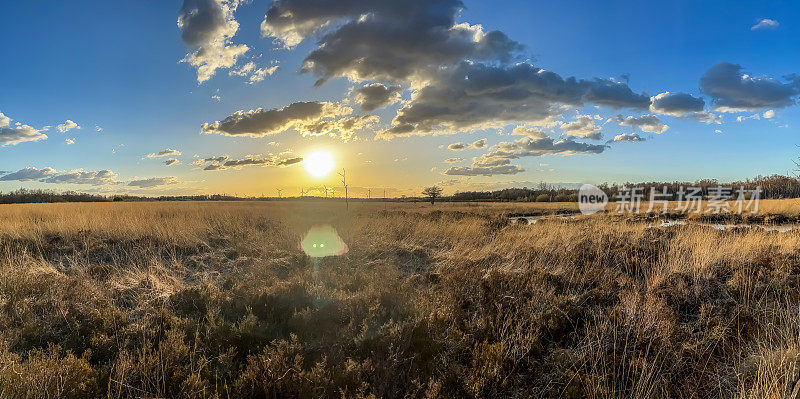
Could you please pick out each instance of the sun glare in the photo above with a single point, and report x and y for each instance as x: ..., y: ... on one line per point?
x: 319, y: 163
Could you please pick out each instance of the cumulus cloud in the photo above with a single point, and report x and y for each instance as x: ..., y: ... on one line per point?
x: 165, y: 153
x: 676, y: 104
x: 479, y: 143
x: 632, y: 137
x: 498, y: 160
x: 530, y: 131
x: 254, y: 74
x: 768, y: 114
x: 29, y: 174
x: 171, y: 161
x: 765, y: 23
x: 95, y: 178
x: 456, y: 147
x: 67, y: 126
x: 19, y: 133
x: 383, y: 40
x: 224, y: 162
x: 208, y: 27
x: 645, y: 123
x: 50, y: 175
x: 453, y: 160
x: 583, y: 127
x: 529, y: 147
x: 377, y: 95
x: 69, y: 141
x: 308, y: 118
x: 470, y: 95
x: 154, y: 182
x: 735, y: 91
x: 502, y: 167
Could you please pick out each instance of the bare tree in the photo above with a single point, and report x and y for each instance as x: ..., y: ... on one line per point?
x: 344, y: 183
x: 432, y: 192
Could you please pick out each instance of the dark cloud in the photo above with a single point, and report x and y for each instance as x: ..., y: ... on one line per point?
x: 490, y: 170
x: 645, y: 123
x: 676, y: 104
x: 384, y: 40
x: 633, y: 137
x: 308, y: 118
x: 154, y: 182
x: 208, y: 26
x: 376, y: 95
x: 479, y: 143
x: 530, y: 147
x: 453, y: 160
x: 223, y: 162
x: 732, y: 90
x: 456, y: 146
x: 470, y: 96
x: 172, y: 161
x: 290, y: 161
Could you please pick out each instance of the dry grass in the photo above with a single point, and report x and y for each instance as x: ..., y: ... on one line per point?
x: 204, y: 300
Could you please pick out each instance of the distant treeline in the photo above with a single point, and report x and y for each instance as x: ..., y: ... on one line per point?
x: 46, y: 196
x: 772, y: 187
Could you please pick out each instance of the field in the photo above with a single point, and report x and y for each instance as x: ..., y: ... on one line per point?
x: 216, y: 300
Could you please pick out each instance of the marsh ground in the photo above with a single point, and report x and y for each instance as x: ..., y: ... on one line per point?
x: 216, y: 300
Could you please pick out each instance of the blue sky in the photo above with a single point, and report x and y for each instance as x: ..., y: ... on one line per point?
x: 117, y: 66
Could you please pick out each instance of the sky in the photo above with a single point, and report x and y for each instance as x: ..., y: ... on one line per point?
x: 240, y: 97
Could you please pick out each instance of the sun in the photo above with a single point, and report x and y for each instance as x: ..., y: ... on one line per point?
x: 319, y: 163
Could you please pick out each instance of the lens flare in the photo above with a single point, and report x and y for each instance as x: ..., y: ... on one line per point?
x: 321, y: 241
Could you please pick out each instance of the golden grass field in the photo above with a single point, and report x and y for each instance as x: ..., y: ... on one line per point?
x: 215, y: 300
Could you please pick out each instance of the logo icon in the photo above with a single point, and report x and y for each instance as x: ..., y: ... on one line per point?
x: 591, y: 199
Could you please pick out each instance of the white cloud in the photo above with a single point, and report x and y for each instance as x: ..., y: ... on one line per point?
x: 67, y: 126
x: 765, y: 23
x: 70, y: 141
x: 768, y: 114
x: 79, y: 176
x: 254, y: 74
x: 165, y: 153
x: 583, y: 127
x: 645, y: 123
x: 19, y: 133
x: 29, y: 174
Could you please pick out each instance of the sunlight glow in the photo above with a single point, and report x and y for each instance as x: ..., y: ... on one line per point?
x: 319, y: 163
